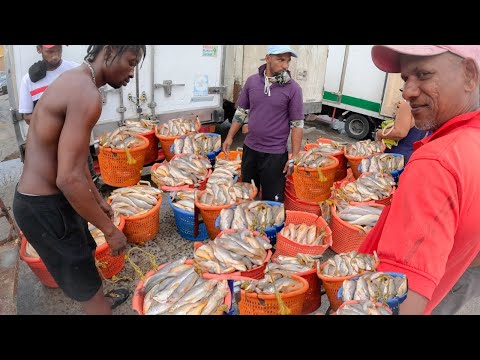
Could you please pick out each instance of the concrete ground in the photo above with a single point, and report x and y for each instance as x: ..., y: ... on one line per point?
x: 34, y: 298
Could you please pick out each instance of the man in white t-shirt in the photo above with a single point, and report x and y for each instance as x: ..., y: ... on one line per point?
x: 39, y: 77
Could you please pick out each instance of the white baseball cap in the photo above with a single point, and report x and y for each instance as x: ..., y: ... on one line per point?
x: 280, y: 49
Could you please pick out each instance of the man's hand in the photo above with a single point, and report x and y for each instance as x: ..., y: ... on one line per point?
x: 288, y: 169
x: 117, y: 242
x: 107, y: 209
x: 226, y: 145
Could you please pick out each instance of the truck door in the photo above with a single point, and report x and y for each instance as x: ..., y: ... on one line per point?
x: 188, y: 79
x: 392, y: 94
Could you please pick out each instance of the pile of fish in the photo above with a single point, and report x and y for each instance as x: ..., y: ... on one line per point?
x: 385, y: 163
x: 351, y: 263
x: 224, y: 194
x: 304, y: 234
x: 141, y: 126
x: 182, y: 170
x: 134, y: 200
x: 184, y: 199
x: 253, y: 215
x: 222, y: 176
x: 199, y: 144
x: 313, y: 158
x: 177, y: 127
x: 287, y: 265
x: 122, y: 138
x: 177, y: 289
x: 365, y: 148
x: 374, y: 286
x: 97, y: 234
x: 236, y: 251
x: 363, y: 308
x: 281, y: 284
x: 362, y: 216
x: 330, y: 148
x: 373, y: 186
x: 229, y: 164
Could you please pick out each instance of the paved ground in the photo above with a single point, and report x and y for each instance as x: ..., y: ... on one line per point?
x: 34, y: 298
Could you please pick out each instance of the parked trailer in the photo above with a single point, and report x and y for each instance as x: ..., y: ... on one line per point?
x: 172, y: 81
x: 339, y: 82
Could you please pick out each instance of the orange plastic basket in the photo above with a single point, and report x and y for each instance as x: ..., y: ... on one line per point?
x: 254, y: 273
x: 115, y: 169
x: 138, y: 295
x: 308, y: 186
x: 211, y: 212
x: 313, y: 297
x: 166, y: 143
x: 289, y: 247
x: 354, y: 161
x: 201, y: 185
x: 110, y: 265
x: 292, y: 203
x: 347, y: 237
x: 333, y: 284
x: 142, y: 228
x: 260, y: 304
x: 151, y: 154
x: 37, y: 266
x: 342, y: 160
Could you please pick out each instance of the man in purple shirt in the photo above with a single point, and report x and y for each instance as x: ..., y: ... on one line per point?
x: 274, y: 103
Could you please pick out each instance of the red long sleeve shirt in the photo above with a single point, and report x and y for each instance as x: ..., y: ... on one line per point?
x: 432, y: 230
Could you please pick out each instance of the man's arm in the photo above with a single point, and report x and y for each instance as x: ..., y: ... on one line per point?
x: 82, y: 113
x: 107, y: 209
x: 401, y: 126
x: 237, y: 122
x: 296, y: 137
x: 27, y: 118
x: 414, y: 304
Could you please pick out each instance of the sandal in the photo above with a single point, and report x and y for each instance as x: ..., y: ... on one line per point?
x: 118, y: 296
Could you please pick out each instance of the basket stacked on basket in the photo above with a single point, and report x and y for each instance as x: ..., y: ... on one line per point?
x: 270, y: 213
x: 361, y: 150
x: 335, y: 270
x: 175, y: 129
x: 205, y: 144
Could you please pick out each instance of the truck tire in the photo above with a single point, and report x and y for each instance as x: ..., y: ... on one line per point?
x: 357, y: 126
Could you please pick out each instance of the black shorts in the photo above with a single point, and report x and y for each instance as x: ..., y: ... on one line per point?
x: 267, y: 172
x: 63, y: 241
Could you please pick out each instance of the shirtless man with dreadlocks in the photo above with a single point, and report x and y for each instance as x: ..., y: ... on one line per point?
x: 56, y: 197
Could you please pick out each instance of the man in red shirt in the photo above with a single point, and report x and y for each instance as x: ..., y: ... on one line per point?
x: 431, y: 231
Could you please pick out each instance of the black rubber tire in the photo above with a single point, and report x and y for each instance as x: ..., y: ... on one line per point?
x: 357, y: 127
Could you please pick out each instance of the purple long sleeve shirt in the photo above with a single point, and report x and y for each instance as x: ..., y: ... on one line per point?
x: 269, y: 117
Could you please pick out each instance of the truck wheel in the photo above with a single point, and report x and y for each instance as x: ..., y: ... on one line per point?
x: 357, y: 126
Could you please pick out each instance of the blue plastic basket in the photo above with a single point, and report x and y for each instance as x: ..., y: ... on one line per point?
x: 211, y: 155
x: 395, y: 173
x: 270, y: 232
x: 186, y: 224
x: 393, y: 303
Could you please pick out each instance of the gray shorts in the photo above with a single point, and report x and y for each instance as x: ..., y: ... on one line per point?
x: 466, y: 289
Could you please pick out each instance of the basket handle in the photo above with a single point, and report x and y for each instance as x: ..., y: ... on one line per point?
x: 144, y: 182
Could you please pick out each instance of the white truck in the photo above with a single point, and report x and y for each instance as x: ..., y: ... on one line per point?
x: 338, y: 81
x: 172, y: 81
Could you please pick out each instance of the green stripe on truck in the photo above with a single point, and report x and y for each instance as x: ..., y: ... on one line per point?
x: 353, y: 101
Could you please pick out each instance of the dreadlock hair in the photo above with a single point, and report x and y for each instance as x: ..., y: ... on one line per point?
x: 94, y: 50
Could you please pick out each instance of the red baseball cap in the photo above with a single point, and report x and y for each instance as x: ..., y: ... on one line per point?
x: 48, y: 46
x: 387, y: 57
